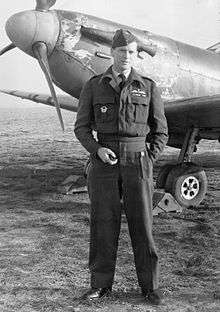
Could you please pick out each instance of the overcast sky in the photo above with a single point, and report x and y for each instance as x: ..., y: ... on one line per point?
x: 196, y: 22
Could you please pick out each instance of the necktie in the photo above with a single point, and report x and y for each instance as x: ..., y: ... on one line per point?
x: 123, y: 80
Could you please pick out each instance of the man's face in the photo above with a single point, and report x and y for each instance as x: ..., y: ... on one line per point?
x: 124, y: 56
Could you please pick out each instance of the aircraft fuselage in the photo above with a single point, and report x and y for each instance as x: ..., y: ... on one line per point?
x: 180, y: 70
x: 77, y: 47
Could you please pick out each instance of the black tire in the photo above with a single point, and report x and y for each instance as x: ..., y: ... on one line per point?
x: 162, y: 176
x: 187, y: 183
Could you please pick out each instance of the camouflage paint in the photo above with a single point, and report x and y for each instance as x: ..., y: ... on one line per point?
x: 179, y: 70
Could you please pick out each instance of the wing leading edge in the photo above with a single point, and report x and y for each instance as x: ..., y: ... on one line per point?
x: 201, y: 112
x: 66, y: 102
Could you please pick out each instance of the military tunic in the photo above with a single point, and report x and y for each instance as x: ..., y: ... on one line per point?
x: 123, y: 120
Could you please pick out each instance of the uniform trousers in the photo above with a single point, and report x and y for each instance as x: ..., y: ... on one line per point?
x: 131, y: 180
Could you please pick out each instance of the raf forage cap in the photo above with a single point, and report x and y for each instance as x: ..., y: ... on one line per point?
x: 122, y: 38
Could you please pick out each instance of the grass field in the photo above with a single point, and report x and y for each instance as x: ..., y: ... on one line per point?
x: 44, y: 239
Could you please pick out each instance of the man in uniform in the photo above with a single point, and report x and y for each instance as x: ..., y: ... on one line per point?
x: 123, y: 108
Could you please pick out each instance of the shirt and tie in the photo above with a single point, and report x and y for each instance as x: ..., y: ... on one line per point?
x: 120, y: 78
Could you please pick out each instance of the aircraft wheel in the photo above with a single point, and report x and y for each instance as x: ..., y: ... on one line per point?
x: 187, y: 183
x: 162, y: 176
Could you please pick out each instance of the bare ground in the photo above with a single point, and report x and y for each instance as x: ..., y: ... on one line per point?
x: 45, y: 238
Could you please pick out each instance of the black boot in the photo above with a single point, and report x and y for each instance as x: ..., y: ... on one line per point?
x: 97, y: 293
x: 154, y: 297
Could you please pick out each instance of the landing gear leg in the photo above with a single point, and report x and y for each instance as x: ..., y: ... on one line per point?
x: 186, y: 181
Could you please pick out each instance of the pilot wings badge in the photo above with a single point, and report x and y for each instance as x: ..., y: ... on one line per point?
x: 139, y: 92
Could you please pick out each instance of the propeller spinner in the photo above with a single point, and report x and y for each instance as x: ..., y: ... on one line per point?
x: 36, y: 33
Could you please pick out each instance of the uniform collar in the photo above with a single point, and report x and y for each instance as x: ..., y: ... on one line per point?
x: 107, y: 74
x: 134, y: 76
x: 116, y: 74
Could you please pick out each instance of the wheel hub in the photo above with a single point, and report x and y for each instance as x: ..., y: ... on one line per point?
x: 190, y: 188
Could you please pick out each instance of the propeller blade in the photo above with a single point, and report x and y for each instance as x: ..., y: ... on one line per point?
x: 106, y: 37
x: 40, y: 52
x: 8, y: 48
x: 44, y: 5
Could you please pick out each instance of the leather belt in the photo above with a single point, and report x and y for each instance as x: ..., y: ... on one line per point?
x: 103, y: 137
x: 127, y: 144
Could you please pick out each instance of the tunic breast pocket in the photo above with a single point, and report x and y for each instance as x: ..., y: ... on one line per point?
x: 104, y: 109
x: 141, y: 108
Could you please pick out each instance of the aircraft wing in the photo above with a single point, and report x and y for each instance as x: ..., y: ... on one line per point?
x: 66, y: 102
x: 201, y: 112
